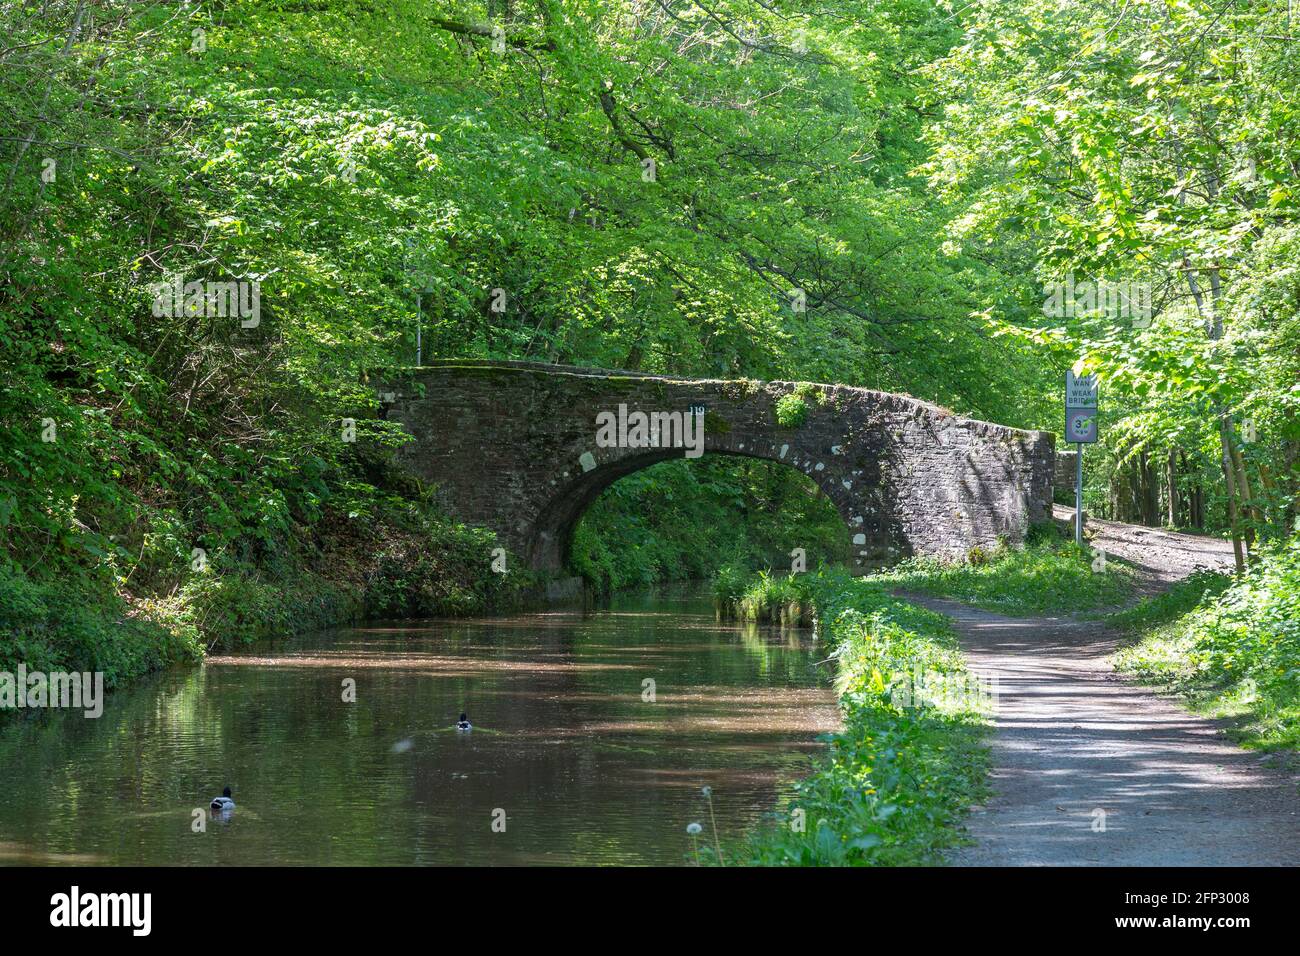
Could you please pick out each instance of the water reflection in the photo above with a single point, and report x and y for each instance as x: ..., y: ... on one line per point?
x: 585, y: 770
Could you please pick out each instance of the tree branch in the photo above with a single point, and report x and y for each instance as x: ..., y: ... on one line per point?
x: 483, y: 30
x: 611, y: 111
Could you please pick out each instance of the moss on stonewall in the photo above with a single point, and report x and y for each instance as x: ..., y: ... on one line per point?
x: 716, y: 424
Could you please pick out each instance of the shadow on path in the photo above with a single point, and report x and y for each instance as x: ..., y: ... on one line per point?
x: 1073, y: 738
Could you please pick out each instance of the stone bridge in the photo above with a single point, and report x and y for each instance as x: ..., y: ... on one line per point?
x: 514, y: 447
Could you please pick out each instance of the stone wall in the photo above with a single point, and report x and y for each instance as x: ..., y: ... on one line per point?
x: 1063, y: 480
x: 512, y: 446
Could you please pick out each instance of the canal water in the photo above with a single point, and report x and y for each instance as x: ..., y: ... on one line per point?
x: 593, y: 737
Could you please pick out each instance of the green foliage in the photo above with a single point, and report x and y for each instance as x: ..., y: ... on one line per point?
x: 241, y: 605
x: 730, y: 584
x: 785, y: 599
x: 683, y: 520
x: 439, y: 569
x: 1171, y: 604
x: 1151, y: 145
x: 398, y: 564
x: 791, y: 411
x: 1047, y: 576
x: 872, y: 194
x: 894, y: 784
x: 65, y: 627
x: 1231, y: 646
x: 347, y: 156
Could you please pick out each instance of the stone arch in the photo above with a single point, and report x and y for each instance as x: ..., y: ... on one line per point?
x: 552, y: 534
x: 512, y: 446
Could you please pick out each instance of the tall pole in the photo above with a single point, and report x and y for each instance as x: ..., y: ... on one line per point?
x: 1078, y: 494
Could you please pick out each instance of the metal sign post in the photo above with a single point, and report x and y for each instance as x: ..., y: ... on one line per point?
x: 1078, y: 493
x: 1080, y: 428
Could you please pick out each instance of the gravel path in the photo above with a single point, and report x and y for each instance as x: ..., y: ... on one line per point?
x: 1160, y: 557
x: 1076, y: 746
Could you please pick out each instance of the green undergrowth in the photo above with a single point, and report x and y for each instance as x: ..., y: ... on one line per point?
x: 893, y: 785
x: 685, y: 520
x: 401, y: 562
x: 1049, y: 575
x: 1229, y: 647
x: 765, y: 597
x: 65, y: 626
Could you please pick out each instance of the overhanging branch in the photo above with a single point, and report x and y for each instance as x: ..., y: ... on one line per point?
x: 483, y: 30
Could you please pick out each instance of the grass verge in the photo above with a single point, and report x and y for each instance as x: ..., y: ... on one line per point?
x: 1050, y: 575
x: 892, y: 787
x: 1229, y: 647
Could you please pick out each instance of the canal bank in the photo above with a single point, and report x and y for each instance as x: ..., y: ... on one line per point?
x: 894, y: 786
x: 126, y: 623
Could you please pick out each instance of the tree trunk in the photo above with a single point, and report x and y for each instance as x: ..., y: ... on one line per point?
x: 1250, y: 509
x: 1214, y: 332
x: 1171, y: 488
x: 1230, y: 477
x: 1129, y: 496
x: 1150, y: 493
x: 1268, y: 487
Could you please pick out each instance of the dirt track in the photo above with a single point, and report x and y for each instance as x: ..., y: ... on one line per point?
x: 1160, y: 557
x: 1073, y: 738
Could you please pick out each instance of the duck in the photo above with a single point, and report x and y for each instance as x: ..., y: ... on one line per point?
x: 223, y: 802
x: 463, y: 723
